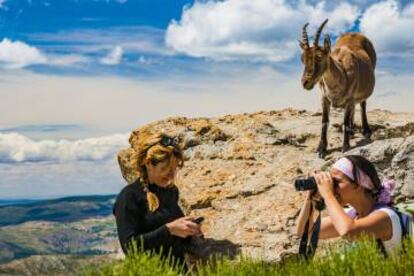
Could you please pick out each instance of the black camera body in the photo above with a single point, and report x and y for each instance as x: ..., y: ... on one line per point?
x: 306, y: 184
x: 309, y: 184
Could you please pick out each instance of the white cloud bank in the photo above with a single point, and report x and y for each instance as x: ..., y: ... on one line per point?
x: 114, y: 57
x: 268, y: 29
x: 390, y: 27
x: 15, y: 148
x: 262, y: 30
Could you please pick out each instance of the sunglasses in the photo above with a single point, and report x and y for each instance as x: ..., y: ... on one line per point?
x: 169, y: 141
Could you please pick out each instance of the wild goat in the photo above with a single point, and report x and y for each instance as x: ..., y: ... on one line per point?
x: 345, y: 76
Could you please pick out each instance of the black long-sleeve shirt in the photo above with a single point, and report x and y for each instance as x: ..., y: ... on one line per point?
x: 135, y: 222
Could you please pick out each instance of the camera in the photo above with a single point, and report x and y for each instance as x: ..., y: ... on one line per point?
x: 308, y: 184
x: 305, y: 184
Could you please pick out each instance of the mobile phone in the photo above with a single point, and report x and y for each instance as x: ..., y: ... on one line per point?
x: 198, y: 220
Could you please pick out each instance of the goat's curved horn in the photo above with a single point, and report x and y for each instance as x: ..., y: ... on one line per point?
x: 305, y: 39
x: 318, y: 33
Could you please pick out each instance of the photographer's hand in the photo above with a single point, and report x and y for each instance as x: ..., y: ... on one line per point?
x: 325, y: 184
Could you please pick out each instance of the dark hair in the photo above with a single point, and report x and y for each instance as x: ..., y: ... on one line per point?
x: 368, y: 168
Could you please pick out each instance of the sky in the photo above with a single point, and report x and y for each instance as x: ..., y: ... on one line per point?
x: 76, y: 76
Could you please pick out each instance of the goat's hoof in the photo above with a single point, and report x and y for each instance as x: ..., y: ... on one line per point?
x: 345, y: 148
x: 367, y: 134
x: 322, y: 155
x: 321, y: 152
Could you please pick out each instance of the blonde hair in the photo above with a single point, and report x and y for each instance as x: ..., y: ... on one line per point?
x: 150, y: 149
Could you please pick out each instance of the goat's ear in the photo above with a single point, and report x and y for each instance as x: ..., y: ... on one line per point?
x: 302, y: 45
x: 327, y: 43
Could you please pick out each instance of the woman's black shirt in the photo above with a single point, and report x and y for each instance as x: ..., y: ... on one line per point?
x: 135, y: 222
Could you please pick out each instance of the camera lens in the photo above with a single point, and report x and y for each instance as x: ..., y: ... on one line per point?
x: 305, y: 184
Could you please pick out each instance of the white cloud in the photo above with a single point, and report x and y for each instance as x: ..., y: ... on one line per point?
x: 114, y: 57
x: 264, y: 30
x: 146, y: 60
x: 67, y: 60
x: 132, y: 39
x: 390, y: 27
x: 362, y: 4
x: 17, y: 54
x: 15, y: 148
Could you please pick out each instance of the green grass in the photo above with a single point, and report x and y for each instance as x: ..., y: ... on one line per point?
x: 363, y: 259
x: 139, y: 263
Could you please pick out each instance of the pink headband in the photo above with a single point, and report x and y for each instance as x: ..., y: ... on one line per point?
x: 345, y: 166
x: 387, y: 186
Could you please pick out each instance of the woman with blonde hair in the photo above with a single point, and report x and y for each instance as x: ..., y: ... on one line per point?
x: 147, y: 211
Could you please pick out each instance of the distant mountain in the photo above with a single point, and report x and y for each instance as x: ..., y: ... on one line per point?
x: 77, y: 225
x: 87, y: 237
x: 66, y: 209
x: 6, y: 202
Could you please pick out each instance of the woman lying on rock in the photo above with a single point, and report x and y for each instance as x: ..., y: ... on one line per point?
x: 147, y: 211
x: 354, y: 181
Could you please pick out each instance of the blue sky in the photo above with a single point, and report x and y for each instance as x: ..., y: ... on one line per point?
x: 89, y: 29
x: 76, y: 76
x: 32, y: 16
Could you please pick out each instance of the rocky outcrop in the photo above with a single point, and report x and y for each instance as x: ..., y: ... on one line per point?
x: 240, y: 169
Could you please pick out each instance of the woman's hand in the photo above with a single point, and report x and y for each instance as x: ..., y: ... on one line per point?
x: 325, y: 183
x: 184, y: 227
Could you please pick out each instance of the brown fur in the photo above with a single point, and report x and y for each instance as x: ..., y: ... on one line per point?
x: 357, y: 41
x: 345, y: 76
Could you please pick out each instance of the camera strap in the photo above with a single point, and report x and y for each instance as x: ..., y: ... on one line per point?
x: 308, y: 250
